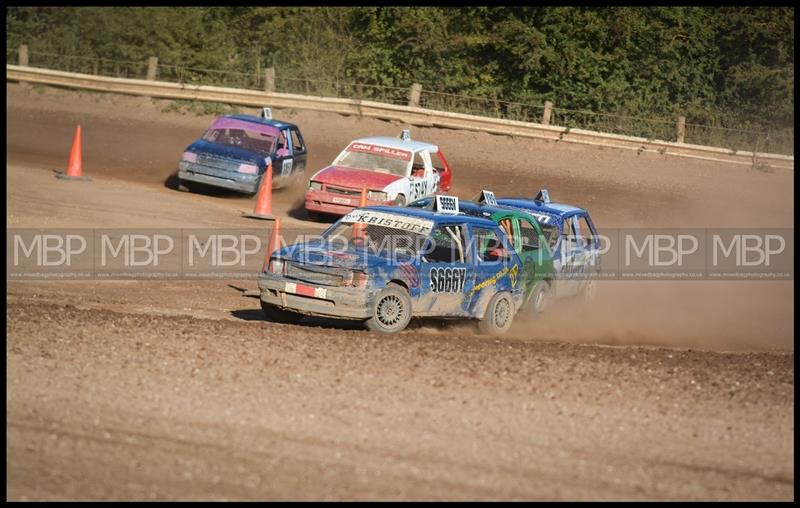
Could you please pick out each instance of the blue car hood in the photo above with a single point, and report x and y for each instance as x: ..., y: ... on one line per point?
x: 322, y: 254
x: 227, y: 152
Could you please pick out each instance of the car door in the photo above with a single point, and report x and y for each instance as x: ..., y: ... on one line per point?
x: 447, y: 272
x: 531, y: 245
x: 587, y: 253
x: 422, y: 179
x: 299, y: 151
x: 571, y: 258
x: 494, y: 260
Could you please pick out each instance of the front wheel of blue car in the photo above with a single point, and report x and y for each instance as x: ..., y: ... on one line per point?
x: 392, y: 310
x: 498, y: 316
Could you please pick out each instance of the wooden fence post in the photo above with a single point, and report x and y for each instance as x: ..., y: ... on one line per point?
x: 152, y: 68
x: 23, y: 55
x: 269, y: 82
x: 414, y: 94
x: 681, y: 129
x: 548, y: 110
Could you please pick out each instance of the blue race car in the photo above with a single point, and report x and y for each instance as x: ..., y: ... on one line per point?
x: 573, y: 240
x: 235, y: 150
x: 386, y: 264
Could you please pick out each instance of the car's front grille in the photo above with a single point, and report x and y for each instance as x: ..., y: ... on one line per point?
x: 347, y: 192
x: 328, y: 276
x: 221, y: 163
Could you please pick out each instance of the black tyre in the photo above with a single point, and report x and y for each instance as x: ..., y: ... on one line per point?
x: 498, y: 316
x: 391, y: 311
x: 540, y: 297
x: 315, y: 216
x: 278, y: 315
x: 184, y: 186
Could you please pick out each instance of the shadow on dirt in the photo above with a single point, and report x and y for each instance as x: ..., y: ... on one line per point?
x: 307, y: 321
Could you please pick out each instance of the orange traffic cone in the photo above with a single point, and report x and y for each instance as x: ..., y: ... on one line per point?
x: 274, y: 243
x: 263, y: 208
x: 74, y: 166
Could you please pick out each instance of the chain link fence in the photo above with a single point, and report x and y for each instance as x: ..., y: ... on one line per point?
x: 779, y: 141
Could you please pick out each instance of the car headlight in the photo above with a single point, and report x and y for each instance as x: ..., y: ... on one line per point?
x: 248, y: 169
x: 189, y: 157
x: 314, y: 185
x: 377, y: 196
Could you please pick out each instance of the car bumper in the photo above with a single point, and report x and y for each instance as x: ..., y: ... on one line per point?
x: 336, y: 204
x: 315, y: 300
x: 232, y: 180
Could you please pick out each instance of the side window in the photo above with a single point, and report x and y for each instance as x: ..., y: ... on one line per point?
x: 297, y: 141
x: 508, y: 228
x: 283, y: 146
x: 551, y: 234
x: 570, y: 234
x: 418, y: 169
x: 447, y: 244
x: 436, y: 162
x: 490, y: 248
x: 528, y: 235
x: 586, y: 232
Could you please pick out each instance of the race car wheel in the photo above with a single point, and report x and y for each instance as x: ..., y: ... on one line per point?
x: 278, y: 315
x: 392, y: 310
x: 540, y: 297
x: 498, y: 316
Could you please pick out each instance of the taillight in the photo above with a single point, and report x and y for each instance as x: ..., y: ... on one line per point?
x: 248, y: 169
x: 276, y: 266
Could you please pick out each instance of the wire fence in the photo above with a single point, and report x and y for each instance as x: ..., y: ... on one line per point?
x: 779, y: 141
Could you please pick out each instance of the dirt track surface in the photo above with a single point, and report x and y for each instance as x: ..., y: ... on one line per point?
x: 180, y: 390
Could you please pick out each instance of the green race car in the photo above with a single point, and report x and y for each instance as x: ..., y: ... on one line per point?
x: 526, y: 237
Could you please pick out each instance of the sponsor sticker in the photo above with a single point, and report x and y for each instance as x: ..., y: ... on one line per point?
x: 401, y: 222
x: 448, y: 280
x: 380, y: 150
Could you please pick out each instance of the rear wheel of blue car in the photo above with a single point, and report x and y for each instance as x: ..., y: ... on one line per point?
x: 392, y: 310
x: 498, y: 316
x: 540, y: 297
x: 278, y: 315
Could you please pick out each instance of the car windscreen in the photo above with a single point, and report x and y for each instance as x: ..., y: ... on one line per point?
x: 247, y: 139
x: 375, y: 158
x: 381, y: 233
